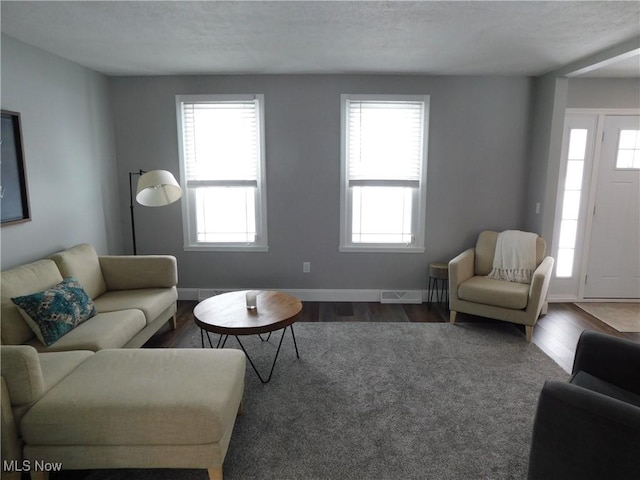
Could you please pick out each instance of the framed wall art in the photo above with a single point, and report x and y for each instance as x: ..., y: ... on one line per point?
x: 14, y: 198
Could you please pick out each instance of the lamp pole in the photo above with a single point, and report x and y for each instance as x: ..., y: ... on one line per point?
x: 133, y: 223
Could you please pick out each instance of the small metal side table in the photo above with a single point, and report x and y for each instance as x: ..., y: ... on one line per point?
x: 439, y: 281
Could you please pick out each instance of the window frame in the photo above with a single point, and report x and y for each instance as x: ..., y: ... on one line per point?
x: 419, y: 195
x: 189, y: 209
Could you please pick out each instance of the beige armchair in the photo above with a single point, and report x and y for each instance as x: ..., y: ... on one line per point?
x: 471, y: 291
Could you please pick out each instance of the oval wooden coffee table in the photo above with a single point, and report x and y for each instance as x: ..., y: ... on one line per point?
x: 227, y: 314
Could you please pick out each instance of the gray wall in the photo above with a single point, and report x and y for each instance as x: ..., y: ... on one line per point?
x: 604, y: 93
x: 69, y: 155
x: 551, y: 96
x: 477, y: 174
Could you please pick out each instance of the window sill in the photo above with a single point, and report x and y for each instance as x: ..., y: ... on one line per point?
x: 379, y: 249
x: 226, y: 248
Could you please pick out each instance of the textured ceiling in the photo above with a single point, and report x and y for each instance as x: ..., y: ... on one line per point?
x: 424, y: 37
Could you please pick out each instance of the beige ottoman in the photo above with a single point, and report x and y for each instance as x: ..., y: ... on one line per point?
x: 150, y: 408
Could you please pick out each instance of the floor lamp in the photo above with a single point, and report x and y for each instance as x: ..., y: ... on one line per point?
x: 156, y: 188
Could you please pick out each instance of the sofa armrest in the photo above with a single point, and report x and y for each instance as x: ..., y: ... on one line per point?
x: 540, y: 285
x: 461, y: 268
x: 614, y: 360
x: 22, y: 373
x: 10, y: 447
x: 580, y: 434
x: 127, y: 272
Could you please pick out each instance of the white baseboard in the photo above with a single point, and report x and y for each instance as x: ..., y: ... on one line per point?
x: 574, y: 299
x: 562, y: 299
x: 305, y: 295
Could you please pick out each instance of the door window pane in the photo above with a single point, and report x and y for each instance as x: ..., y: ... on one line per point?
x: 568, y: 230
x: 628, y: 149
x: 571, y: 205
x: 571, y: 201
x: 577, y: 143
x: 574, y: 175
x: 564, y: 267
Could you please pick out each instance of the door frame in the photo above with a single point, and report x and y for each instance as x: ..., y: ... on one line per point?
x: 572, y: 289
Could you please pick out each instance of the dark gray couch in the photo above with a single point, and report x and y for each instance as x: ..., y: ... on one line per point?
x: 589, y: 428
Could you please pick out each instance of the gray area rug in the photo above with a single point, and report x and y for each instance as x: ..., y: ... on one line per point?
x: 383, y: 400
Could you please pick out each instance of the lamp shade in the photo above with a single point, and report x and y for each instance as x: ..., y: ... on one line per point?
x: 157, y: 188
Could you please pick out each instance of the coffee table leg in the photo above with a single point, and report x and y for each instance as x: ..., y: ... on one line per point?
x: 275, y: 358
x: 295, y: 344
x: 202, y: 332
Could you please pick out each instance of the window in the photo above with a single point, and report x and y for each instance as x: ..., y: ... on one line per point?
x: 628, y: 155
x: 571, y: 201
x: 384, y: 155
x: 221, y: 144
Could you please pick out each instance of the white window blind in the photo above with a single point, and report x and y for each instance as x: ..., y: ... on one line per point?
x: 221, y: 143
x: 222, y: 163
x: 385, y: 142
x: 383, y: 162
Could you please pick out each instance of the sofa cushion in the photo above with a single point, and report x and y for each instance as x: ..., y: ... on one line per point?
x: 595, y: 384
x: 127, y: 272
x: 56, y: 366
x: 142, y: 397
x: 56, y: 311
x: 82, y: 263
x: 23, y: 280
x: 104, y: 330
x: 152, y: 301
x: 498, y: 293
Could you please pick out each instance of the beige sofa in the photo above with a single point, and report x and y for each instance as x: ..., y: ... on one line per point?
x: 133, y: 295
x: 471, y: 291
x: 85, y: 402
x: 115, y: 409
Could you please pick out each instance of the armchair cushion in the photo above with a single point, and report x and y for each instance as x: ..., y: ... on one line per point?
x: 499, y: 293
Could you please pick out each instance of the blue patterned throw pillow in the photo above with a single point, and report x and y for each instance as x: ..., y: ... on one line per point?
x: 56, y: 311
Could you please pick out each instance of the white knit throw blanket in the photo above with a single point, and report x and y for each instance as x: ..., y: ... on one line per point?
x: 515, y: 257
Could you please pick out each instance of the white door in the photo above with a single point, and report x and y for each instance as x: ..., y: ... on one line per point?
x: 613, y: 268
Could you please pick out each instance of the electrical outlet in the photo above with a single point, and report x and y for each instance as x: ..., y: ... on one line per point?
x: 306, y: 267
x: 537, y: 208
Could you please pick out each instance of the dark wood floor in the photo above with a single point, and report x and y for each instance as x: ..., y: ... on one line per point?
x: 556, y: 333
